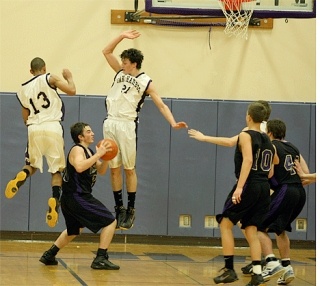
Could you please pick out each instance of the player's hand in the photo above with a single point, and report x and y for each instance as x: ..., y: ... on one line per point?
x: 66, y: 74
x: 306, y: 182
x: 104, y: 147
x: 298, y: 168
x: 131, y: 34
x: 180, y: 125
x: 196, y: 134
x: 236, y: 197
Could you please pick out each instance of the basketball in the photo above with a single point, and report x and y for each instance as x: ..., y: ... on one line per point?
x: 109, y: 155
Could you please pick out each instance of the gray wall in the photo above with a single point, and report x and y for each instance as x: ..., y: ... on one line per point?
x: 176, y: 175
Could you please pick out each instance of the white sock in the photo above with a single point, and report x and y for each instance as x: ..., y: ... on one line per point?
x: 256, y: 269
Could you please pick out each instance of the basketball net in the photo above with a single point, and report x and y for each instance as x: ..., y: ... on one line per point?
x: 238, y: 14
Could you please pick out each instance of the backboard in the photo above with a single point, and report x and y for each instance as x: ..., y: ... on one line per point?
x: 262, y: 8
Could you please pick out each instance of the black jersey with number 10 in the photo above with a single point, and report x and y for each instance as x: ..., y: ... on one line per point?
x: 262, y: 152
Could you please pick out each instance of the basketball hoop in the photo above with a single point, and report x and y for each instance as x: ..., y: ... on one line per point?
x: 238, y: 14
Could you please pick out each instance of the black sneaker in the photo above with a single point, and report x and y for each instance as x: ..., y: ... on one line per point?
x: 48, y: 259
x: 120, y: 215
x: 247, y: 270
x: 256, y: 279
x: 102, y: 262
x: 228, y: 276
x: 14, y: 185
x: 127, y: 223
x: 53, y: 212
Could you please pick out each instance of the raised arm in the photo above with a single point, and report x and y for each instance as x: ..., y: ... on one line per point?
x: 222, y: 141
x: 164, y: 109
x: 109, y: 48
x: 66, y: 86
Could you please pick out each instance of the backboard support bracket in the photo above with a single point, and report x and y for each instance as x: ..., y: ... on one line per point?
x: 131, y: 17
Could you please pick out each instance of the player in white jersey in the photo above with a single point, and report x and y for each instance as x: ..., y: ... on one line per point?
x: 42, y: 112
x: 123, y: 102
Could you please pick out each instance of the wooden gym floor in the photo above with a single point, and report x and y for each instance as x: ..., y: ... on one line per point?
x: 140, y: 264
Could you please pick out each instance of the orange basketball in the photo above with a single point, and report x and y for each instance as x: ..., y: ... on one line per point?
x: 109, y: 155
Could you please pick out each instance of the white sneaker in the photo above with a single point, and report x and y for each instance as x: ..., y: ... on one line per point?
x: 287, y: 276
x: 272, y: 268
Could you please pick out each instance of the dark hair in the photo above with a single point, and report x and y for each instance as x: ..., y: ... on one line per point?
x: 277, y: 128
x: 268, y: 108
x: 76, y: 130
x: 257, y: 111
x: 37, y: 64
x: 134, y: 56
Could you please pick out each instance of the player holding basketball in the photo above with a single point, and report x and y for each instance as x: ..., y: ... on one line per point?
x: 249, y: 199
x: 287, y: 201
x: 42, y: 112
x: 123, y: 103
x: 80, y: 209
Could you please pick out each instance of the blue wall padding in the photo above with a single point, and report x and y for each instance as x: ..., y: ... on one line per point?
x: 176, y: 175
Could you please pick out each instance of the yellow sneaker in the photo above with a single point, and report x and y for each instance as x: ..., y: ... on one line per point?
x: 14, y: 185
x: 53, y: 212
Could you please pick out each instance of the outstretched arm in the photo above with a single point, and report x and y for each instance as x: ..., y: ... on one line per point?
x: 222, y: 141
x: 306, y: 178
x: 164, y: 109
x: 109, y: 48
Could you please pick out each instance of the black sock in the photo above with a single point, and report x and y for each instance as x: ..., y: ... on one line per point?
x: 101, y: 252
x: 131, y: 200
x: 27, y: 172
x: 54, y: 250
x: 271, y: 259
x: 285, y: 263
x: 228, y: 261
x: 118, y: 198
x: 56, y: 192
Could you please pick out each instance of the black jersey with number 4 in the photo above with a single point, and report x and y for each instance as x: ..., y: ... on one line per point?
x: 284, y: 172
x: 262, y: 152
